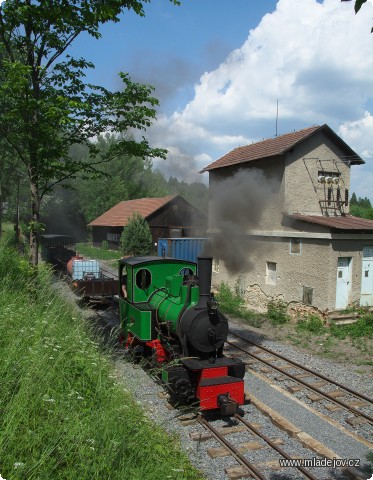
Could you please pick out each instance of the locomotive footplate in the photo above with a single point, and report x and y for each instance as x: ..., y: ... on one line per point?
x: 220, y: 383
x: 236, y: 367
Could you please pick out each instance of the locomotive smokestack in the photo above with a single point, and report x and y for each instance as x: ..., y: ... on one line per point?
x: 204, y: 275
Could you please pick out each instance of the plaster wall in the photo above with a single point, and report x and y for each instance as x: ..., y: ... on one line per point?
x: 303, y: 191
x: 315, y: 267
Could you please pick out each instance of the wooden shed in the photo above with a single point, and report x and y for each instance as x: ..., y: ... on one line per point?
x: 168, y: 217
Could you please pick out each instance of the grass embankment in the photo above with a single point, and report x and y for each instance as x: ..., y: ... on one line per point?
x: 62, y: 415
x: 96, y: 252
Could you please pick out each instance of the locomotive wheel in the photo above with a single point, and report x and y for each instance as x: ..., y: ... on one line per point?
x: 183, y: 389
x: 180, y: 386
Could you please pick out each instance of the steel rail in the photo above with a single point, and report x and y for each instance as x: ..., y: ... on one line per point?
x: 302, y: 367
x: 236, y: 454
x: 273, y: 445
x: 308, y: 385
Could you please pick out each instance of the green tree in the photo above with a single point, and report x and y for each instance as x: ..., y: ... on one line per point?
x: 365, y: 202
x: 136, y: 238
x: 353, y: 199
x: 125, y: 178
x: 358, y: 4
x: 6, y: 184
x: 361, y: 207
x: 196, y: 193
x: 7, y: 169
x: 50, y: 107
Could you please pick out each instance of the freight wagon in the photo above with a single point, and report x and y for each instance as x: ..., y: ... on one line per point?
x: 87, y: 277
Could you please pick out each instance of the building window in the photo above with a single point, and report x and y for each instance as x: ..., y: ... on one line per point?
x: 295, y: 246
x: 215, y: 265
x: 271, y: 274
x: 176, y: 232
x: 113, y: 237
x: 307, y: 295
x: 143, y: 279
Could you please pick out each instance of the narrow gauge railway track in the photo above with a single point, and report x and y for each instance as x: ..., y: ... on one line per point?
x: 251, y: 469
x: 304, y: 372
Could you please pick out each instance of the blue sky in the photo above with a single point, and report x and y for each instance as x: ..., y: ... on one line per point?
x: 220, y: 67
x: 181, y: 42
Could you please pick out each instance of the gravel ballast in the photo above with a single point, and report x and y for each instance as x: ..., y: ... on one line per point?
x: 344, y: 446
x: 146, y: 391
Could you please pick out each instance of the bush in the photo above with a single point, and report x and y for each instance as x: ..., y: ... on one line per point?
x: 232, y: 303
x: 229, y: 301
x: 363, y: 327
x: 311, y: 323
x: 136, y: 238
x: 277, y: 312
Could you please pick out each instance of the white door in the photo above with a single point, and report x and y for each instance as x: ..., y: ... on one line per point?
x: 366, y: 297
x: 343, y: 282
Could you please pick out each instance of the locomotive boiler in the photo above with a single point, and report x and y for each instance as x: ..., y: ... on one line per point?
x: 169, y: 316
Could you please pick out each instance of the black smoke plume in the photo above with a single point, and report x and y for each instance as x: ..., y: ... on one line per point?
x: 236, y: 208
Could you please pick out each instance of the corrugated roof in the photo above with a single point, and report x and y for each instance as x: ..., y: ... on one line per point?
x: 276, y: 146
x: 343, y: 222
x: 119, y: 215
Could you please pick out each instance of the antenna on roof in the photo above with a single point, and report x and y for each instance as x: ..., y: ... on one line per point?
x: 276, y: 117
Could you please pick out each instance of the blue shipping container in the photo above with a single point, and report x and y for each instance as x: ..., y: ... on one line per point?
x: 183, y: 248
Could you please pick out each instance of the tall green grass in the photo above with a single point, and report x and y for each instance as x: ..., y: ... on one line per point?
x: 96, y: 252
x: 62, y: 414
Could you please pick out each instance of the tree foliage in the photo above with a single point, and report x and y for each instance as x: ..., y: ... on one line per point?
x: 49, y: 105
x: 136, y: 238
x: 361, y: 207
x: 358, y: 5
x: 125, y: 178
x: 360, y: 202
x: 196, y: 193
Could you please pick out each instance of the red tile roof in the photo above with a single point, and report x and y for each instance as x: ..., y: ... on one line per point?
x: 343, y: 222
x: 119, y: 215
x: 277, y: 146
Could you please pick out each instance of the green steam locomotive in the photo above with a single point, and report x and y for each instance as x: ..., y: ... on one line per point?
x: 169, y: 316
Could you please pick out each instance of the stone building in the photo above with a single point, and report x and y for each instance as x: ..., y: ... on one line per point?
x: 307, y: 249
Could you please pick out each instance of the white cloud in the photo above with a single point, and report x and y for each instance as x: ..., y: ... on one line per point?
x: 359, y: 135
x: 315, y: 58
